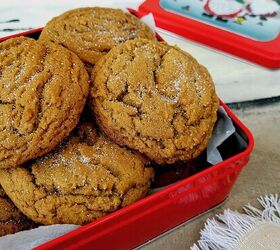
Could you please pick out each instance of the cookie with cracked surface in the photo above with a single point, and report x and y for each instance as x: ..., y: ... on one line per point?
x: 92, y: 32
x: 11, y: 219
x: 41, y: 98
x: 85, y: 178
x: 156, y: 99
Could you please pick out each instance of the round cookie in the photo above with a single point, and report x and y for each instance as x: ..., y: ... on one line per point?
x: 92, y: 32
x: 43, y: 89
x: 85, y: 178
x: 11, y: 219
x: 156, y: 99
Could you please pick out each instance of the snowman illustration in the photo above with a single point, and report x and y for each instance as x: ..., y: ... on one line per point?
x: 263, y: 9
x: 223, y: 9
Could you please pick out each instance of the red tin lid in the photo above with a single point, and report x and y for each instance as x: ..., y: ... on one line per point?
x: 245, y: 28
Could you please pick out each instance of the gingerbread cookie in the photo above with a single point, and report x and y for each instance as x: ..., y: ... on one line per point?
x: 43, y: 89
x: 85, y: 178
x: 156, y: 99
x: 11, y: 219
x: 92, y: 32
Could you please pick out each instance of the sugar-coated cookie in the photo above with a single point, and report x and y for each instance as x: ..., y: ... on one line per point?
x: 154, y: 98
x: 43, y: 89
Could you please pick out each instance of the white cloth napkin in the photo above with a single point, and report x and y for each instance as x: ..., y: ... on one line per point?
x: 258, y: 229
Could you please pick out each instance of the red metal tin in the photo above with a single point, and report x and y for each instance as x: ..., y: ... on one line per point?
x: 265, y: 53
x: 137, y: 223
x: 142, y: 221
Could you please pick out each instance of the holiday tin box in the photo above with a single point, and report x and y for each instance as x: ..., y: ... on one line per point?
x: 246, y: 29
x: 146, y: 219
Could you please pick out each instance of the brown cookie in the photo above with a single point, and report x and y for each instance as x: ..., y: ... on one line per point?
x: 11, y: 219
x: 85, y: 178
x: 92, y: 32
x: 156, y: 99
x: 43, y: 89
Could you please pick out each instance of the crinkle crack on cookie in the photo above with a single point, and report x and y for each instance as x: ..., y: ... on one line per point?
x: 92, y: 32
x: 85, y: 178
x: 156, y: 99
x: 43, y: 89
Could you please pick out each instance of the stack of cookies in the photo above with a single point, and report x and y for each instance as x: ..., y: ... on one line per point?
x: 86, y: 111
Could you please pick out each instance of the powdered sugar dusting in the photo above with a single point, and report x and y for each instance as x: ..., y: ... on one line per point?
x: 84, y: 159
x: 176, y: 84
